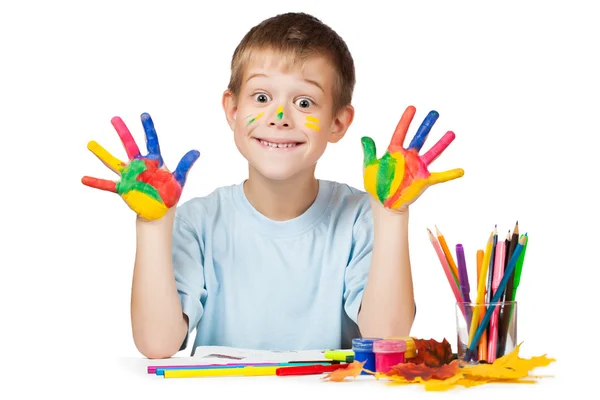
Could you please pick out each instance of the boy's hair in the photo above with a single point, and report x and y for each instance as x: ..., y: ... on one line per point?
x: 297, y: 36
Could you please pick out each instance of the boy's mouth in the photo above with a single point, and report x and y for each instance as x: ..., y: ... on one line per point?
x: 278, y: 144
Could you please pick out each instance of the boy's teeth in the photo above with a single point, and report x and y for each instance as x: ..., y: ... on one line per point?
x: 280, y: 145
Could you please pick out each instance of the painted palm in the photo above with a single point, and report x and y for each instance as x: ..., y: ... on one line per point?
x: 145, y: 184
x: 400, y: 176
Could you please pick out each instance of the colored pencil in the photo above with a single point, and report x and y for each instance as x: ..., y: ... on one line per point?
x: 491, y: 265
x: 448, y: 255
x: 154, y: 369
x: 199, y: 373
x: 511, y: 265
x: 519, y: 268
x: 447, y: 271
x: 481, y: 287
x: 498, y: 275
x: 309, y: 370
x: 508, y: 297
x: 482, y: 356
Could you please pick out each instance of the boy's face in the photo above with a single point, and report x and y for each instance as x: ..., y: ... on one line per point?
x: 282, y: 119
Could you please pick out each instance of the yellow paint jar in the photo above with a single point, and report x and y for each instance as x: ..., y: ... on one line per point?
x: 411, y: 348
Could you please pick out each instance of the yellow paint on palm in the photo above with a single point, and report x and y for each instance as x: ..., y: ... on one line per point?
x: 144, y: 205
x: 370, y: 179
x: 312, y: 123
x: 411, y: 192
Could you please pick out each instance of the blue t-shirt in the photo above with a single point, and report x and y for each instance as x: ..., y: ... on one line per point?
x: 250, y: 282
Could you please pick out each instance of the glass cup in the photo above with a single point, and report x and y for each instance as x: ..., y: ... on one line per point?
x: 485, y: 331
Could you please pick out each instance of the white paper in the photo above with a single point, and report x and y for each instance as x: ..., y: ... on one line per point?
x: 224, y: 355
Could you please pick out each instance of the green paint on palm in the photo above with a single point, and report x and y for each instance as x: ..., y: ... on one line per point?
x: 385, y: 176
x: 130, y: 182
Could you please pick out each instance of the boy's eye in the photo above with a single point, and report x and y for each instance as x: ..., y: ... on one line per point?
x: 303, y: 102
x: 262, y: 97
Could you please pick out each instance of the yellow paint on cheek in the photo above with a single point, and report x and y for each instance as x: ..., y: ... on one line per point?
x: 144, y: 205
x: 312, y: 123
x: 370, y: 179
x: 399, y: 173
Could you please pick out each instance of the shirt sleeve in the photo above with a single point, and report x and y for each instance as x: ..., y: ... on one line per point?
x: 358, y: 266
x: 188, y: 259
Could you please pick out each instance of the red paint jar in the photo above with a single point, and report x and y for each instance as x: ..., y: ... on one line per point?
x: 388, y: 352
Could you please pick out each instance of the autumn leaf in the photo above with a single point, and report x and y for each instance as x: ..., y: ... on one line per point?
x: 509, y: 366
x: 432, y: 353
x: 352, y: 370
x: 410, y: 371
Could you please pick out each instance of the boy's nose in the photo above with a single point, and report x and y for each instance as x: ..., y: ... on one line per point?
x: 279, y: 119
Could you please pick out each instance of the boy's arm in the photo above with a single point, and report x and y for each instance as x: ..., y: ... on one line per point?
x: 388, y: 304
x: 158, y: 324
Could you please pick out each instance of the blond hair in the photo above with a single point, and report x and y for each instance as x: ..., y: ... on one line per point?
x: 296, y: 37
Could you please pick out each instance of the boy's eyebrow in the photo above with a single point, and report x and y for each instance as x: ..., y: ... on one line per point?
x: 312, y: 82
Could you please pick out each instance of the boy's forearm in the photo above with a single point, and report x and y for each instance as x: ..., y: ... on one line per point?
x: 388, y: 305
x: 158, y: 323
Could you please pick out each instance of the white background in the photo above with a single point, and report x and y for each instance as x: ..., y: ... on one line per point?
x: 516, y: 81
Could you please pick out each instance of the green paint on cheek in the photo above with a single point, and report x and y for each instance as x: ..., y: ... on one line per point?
x: 385, y: 176
x: 129, y: 181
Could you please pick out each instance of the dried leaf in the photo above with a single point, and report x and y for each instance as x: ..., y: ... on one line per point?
x: 432, y: 353
x: 352, y: 370
x: 410, y: 371
x: 440, y: 385
x: 509, y: 366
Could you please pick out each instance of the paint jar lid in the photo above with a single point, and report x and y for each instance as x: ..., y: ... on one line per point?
x: 411, y: 347
x: 363, y: 344
x: 389, y: 346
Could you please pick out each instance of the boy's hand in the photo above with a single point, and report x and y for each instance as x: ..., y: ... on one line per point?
x: 146, y: 185
x: 399, y: 177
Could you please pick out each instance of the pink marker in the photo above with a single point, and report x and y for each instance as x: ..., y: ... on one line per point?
x: 498, y: 273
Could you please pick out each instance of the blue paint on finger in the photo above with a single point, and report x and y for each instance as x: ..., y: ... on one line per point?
x: 421, y: 135
x: 151, y: 139
x: 184, y: 166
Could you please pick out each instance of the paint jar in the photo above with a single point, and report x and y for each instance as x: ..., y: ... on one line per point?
x: 388, y: 353
x: 411, y: 347
x: 363, y: 352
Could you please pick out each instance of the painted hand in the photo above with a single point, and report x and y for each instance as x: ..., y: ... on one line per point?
x: 146, y: 185
x: 399, y: 177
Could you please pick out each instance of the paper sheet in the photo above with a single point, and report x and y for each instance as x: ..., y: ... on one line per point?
x: 223, y: 355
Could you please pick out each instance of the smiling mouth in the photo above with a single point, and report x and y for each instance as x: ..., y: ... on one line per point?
x: 278, y: 144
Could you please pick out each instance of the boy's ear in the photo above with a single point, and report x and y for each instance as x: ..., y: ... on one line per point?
x: 229, y: 103
x: 341, y: 123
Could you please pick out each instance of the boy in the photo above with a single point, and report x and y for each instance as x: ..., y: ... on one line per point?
x: 282, y: 260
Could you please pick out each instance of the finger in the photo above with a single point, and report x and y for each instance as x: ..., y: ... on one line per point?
x: 401, y: 129
x: 423, y: 131
x: 369, y: 151
x: 130, y: 146
x: 184, y: 166
x: 102, y: 184
x: 438, y: 148
x: 439, y: 177
x: 108, y: 159
x: 151, y: 139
